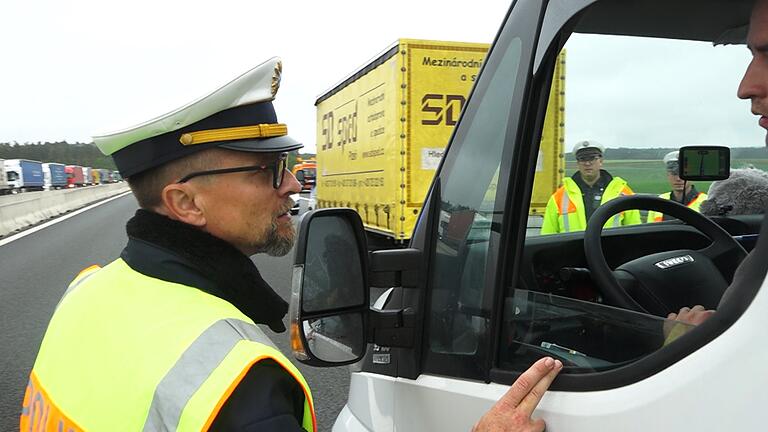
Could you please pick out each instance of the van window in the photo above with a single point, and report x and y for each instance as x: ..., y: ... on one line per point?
x: 634, y: 100
x: 458, y: 323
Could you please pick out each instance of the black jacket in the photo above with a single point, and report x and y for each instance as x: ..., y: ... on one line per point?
x: 268, y: 398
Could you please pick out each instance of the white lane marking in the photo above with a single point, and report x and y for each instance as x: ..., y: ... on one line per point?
x: 59, y: 219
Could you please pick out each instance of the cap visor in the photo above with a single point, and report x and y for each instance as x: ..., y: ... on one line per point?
x: 589, y: 152
x: 265, y: 145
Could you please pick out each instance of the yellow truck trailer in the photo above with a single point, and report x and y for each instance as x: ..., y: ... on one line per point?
x: 382, y: 131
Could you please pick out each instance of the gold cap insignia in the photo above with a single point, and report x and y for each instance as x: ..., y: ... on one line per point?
x: 276, y: 77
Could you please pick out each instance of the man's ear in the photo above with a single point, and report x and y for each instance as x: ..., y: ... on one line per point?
x: 179, y: 202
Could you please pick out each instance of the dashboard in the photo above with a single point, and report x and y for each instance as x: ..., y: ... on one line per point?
x: 556, y: 264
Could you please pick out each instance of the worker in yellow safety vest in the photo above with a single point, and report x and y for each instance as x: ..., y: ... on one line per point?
x: 683, y: 192
x: 571, y: 206
x: 165, y: 337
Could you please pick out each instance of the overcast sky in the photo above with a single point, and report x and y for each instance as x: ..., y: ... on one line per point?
x: 75, y: 68
x: 641, y: 92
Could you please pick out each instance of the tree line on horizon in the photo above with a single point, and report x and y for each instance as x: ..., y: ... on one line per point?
x: 83, y: 154
x: 658, y: 153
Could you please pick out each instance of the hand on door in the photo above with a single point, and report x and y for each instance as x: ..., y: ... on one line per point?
x: 512, y: 412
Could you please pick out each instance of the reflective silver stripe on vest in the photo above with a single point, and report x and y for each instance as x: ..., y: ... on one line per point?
x: 564, y: 208
x: 617, y: 216
x: 194, y: 366
x: 75, y: 285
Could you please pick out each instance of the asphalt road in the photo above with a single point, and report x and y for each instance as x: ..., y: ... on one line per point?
x: 35, y: 271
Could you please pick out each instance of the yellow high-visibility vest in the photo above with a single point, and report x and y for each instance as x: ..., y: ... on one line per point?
x: 125, y: 351
x: 565, y: 209
x: 694, y: 204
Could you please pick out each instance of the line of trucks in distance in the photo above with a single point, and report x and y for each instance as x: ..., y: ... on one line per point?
x: 22, y: 175
x: 382, y: 131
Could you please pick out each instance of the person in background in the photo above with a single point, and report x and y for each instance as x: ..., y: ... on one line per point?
x: 571, y: 206
x: 682, y: 192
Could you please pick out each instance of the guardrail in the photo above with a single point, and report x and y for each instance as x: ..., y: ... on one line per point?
x: 22, y: 210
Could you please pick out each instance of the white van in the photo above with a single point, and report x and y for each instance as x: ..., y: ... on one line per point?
x: 473, y: 301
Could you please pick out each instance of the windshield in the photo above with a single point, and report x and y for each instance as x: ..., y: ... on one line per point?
x: 630, y: 104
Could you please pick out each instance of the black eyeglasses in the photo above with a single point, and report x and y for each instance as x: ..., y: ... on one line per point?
x: 277, y: 167
x: 588, y: 158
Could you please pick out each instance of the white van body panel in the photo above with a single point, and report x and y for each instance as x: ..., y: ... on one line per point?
x: 370, y: 403
x: 346, y: 421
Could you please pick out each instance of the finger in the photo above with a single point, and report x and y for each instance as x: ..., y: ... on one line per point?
x: 525, y: 383
x: 672, y: 316
x: 702, y: 316
x: 698, y: 308
x: 538, y: 426
x: 532, y: 399
x: 684, y: 310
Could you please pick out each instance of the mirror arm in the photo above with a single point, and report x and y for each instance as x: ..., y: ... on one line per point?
x: 392, y: 328
x: 396, y: 267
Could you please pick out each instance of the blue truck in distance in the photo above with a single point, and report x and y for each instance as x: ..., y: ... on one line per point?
x: 105, y: 176
x: 24, y: 175
x: 54, y: 175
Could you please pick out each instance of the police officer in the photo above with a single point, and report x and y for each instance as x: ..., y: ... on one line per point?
x: 165, y: 337
x: 571, y: 206
x: 683, y: 192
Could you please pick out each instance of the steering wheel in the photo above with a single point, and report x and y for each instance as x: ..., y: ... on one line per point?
x: 667, y: 281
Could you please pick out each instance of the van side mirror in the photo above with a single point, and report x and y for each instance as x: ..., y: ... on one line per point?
x: 704, y: 163
x: 330, y: 296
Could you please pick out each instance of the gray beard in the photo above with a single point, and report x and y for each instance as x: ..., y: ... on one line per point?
x: 275, y: 245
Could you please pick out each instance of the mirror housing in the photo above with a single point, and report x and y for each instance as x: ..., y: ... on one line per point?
x: 329, y: 293
x: 331, y: 320
x: 704, y: 163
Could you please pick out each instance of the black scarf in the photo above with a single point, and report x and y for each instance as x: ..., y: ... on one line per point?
x: 234, y: 276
